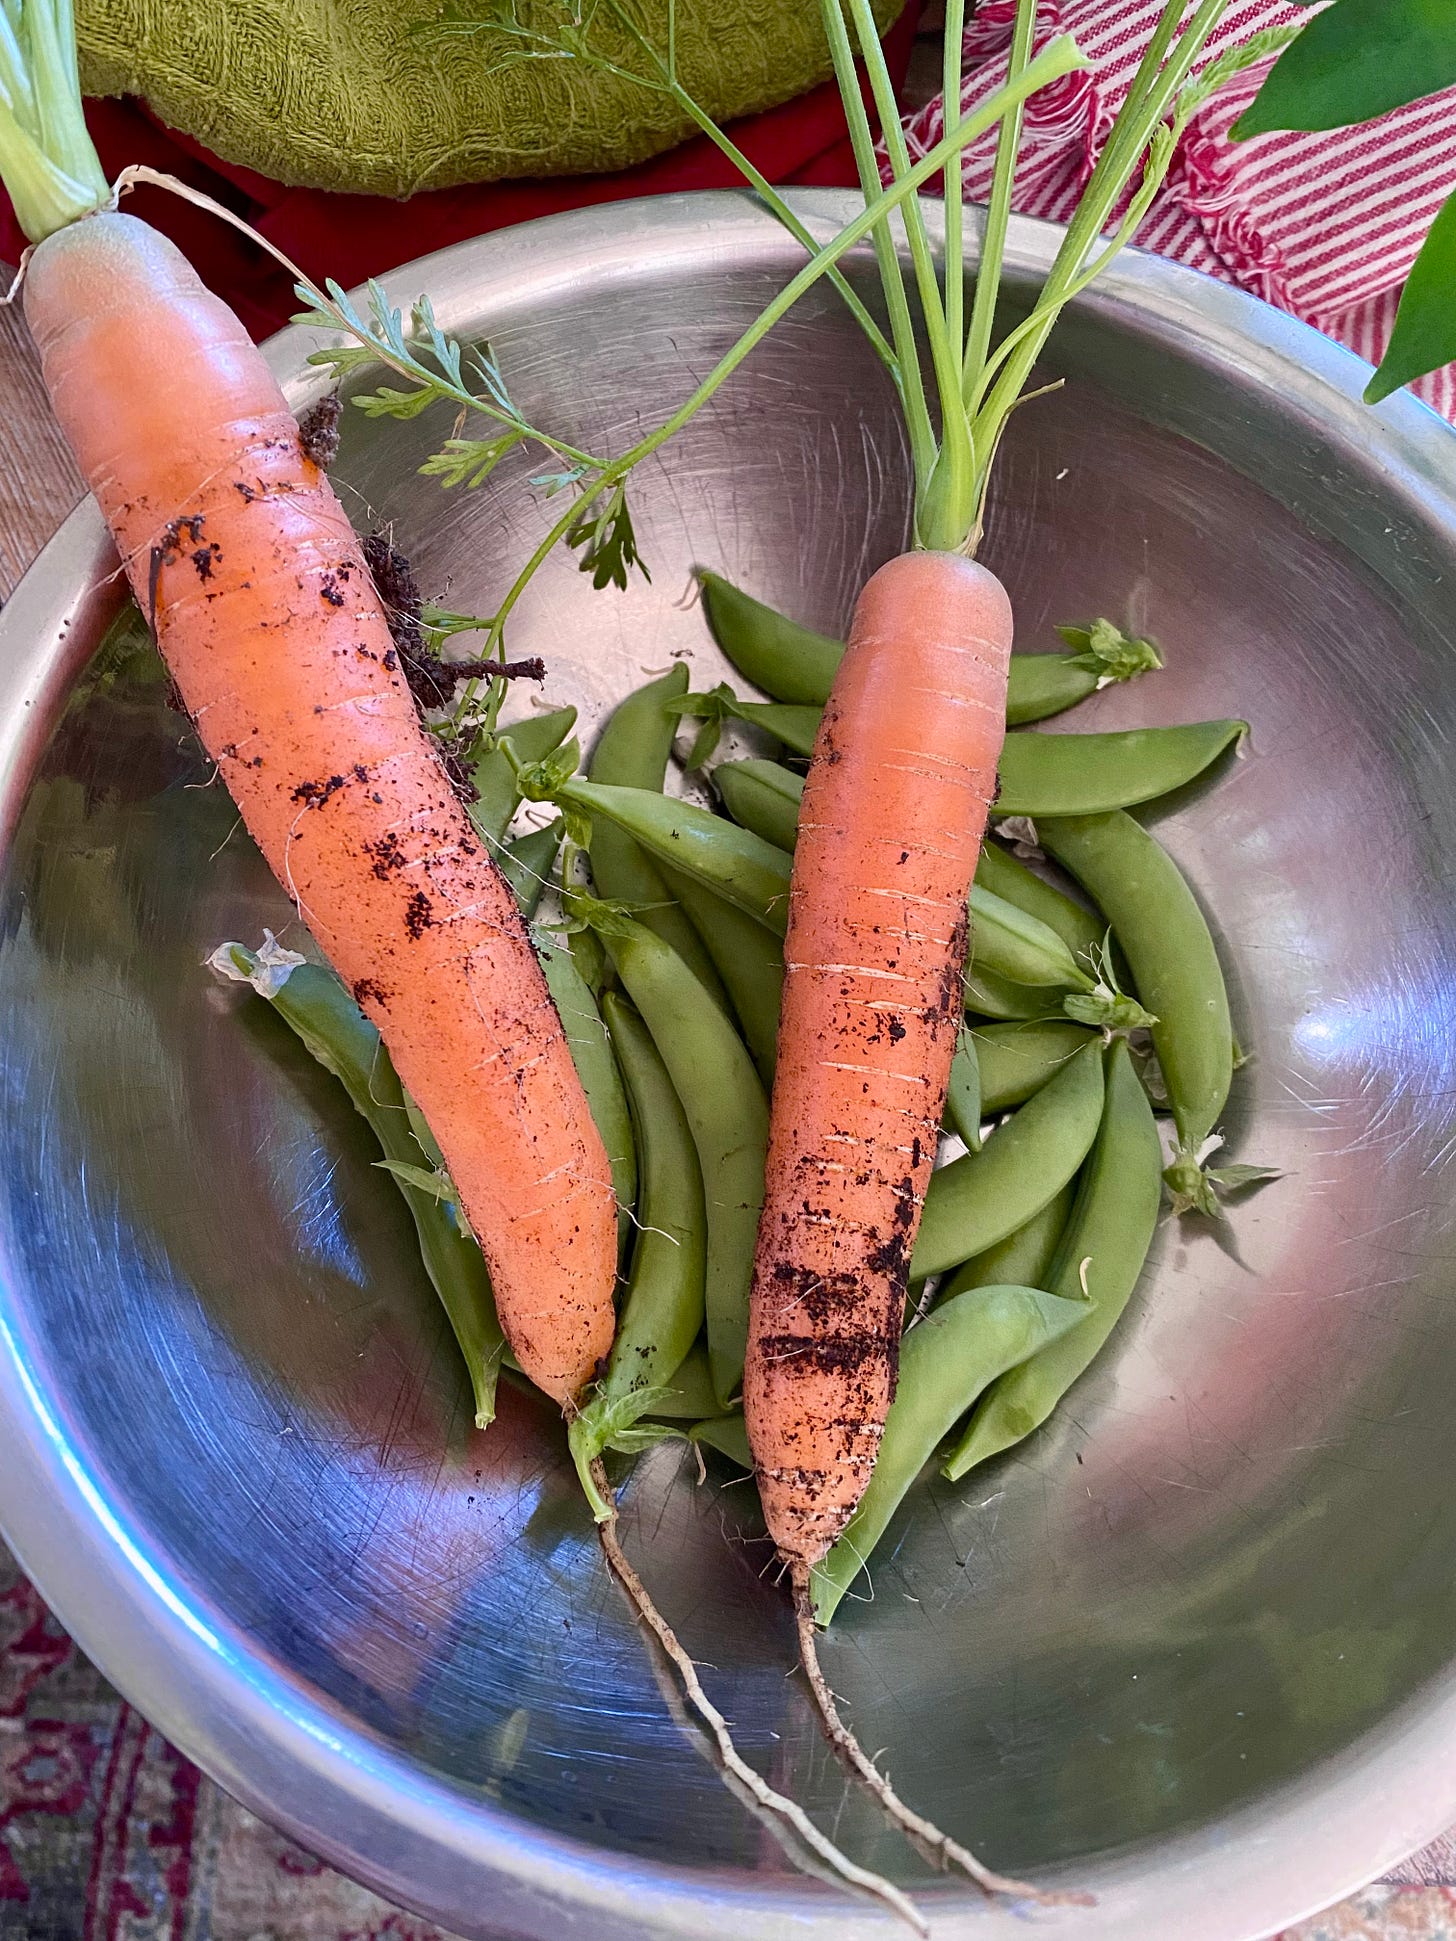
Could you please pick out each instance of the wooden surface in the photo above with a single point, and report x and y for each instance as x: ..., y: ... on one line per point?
x: 38, y: 482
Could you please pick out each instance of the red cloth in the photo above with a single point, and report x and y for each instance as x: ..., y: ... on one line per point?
x: 351, y: 237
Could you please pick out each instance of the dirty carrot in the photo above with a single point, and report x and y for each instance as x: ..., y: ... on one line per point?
x: 900, y: 785
x: 893, y: 812
x: 242, y: 558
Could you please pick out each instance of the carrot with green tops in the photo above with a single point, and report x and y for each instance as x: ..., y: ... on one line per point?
x: 895, y: 804
x: 900, y: 783
x: 242, y: 557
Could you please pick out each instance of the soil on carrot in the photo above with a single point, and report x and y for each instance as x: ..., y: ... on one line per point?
x: 318, y: 430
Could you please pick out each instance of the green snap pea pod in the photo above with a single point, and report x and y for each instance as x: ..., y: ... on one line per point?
x: 947, y: 1361
x: 1006, y: 940
x: 763, y: 796
x: 591, y: 1053
x: 662, y: 1309
x: 725, y: 1106
x: 1041, y: 685
x: 778, y: 655
x: 749, y: 959
x: 1101, y: 1255
x: 527, y: 862
x: 632, y: 752
x: 990, y: 996
x: 1166, y: 940
x: 1022, y: 1259
x: 794, y: 664
x: 797, y: 728
x: 1080, y: 930
x: 728, y: 1434
x: 497, y: 797
x: 688, y: 1394
x: 1018, y: 1058
x: 1066, y: 775
x: 332, y: 1028
x: 963, y: 1095
x: 737, y: 865
x: 980, y: 1198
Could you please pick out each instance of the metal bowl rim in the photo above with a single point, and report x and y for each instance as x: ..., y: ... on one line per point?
x: 234, y: 1712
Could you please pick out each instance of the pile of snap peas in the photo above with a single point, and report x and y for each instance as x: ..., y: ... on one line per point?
x: 664, y: 955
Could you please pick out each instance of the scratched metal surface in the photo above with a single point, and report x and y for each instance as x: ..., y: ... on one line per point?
x: 1172, y: 1650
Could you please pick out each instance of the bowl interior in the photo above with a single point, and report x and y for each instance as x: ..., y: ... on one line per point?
x: 1228, y: 1558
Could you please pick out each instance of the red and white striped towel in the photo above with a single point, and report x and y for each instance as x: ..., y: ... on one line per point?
x: 1324, y: 225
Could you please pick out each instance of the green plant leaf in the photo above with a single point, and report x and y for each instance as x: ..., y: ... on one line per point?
x: 1424, y: 337
x: 1355, y: 60
x: 469, y: 461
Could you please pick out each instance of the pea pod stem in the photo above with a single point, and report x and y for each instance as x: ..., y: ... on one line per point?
x: 947, y: 1361
x: 493, y: 774
x: 662, y: 1309
x: 1101, y: 1255
x: 313, y: 1003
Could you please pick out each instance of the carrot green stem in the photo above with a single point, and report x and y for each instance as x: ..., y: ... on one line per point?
x: 998, y: 210
x: 385, y: 340
x: 887, y: 256
x: 754, y: 176
x: 1154, y: 89
x: 950, y: 86
x: 1059, y: 57
x: 47, y: 162
x: 953, y: 472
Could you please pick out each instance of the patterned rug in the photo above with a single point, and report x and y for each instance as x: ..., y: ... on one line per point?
x: 108, y: 1834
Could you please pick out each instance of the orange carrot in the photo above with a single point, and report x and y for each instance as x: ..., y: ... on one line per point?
x: 240, y: 552
x: 895, y: 805
x: 901, y: 781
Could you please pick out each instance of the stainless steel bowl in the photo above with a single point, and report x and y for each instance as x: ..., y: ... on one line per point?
x: 1193, y: 1648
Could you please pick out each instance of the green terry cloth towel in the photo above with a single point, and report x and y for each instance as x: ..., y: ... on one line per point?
x: 386, y: 97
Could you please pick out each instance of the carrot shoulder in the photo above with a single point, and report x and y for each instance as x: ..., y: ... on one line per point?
x: 894, y: 810
x: 239, y: 551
